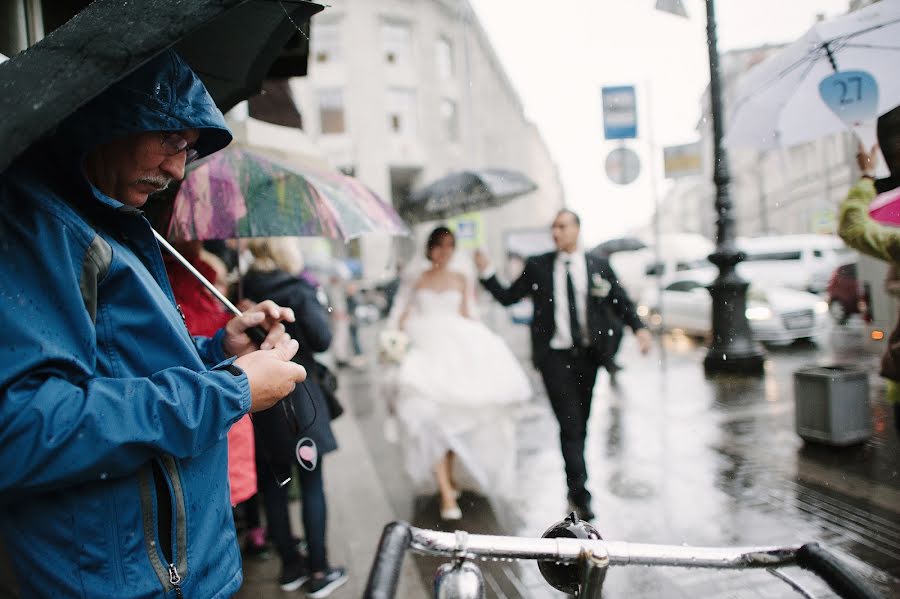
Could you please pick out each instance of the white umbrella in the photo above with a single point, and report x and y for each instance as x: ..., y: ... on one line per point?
x: 778, y: 101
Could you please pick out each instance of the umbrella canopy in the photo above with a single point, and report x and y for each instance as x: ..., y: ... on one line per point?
x: 619, y: 244
x: 778, y: 101
x: 239, y: 192
x: 231, y: 45
x: 465, y: 191
x: 885, y: 208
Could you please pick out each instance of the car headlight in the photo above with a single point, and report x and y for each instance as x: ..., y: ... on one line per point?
x: 758, y: 313
x: 821, y: 307
x: 643, y: 311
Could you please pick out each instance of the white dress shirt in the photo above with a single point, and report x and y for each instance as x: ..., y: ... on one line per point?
x: 562, y: 338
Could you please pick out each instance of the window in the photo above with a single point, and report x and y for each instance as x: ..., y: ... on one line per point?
x: 401, y: 106
x: 396, y: 40
x: 450, y: 119
x: 331, y: 111
x: 762, y: 257
x: 443, y: 50
x: 683, y: 286
x: 326, y: 42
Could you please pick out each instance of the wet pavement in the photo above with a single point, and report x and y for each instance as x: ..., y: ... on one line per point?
x: 674, y: 457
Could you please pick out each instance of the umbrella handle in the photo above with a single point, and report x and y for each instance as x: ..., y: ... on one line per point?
x: 257, y: 334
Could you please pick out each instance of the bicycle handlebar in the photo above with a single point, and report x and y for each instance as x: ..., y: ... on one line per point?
x: 829, y: 568
x: 385, y: 573
x: 565, y: 550
x: 400, y: 536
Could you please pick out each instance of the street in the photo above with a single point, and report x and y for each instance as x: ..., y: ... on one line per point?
x: 674, y: 457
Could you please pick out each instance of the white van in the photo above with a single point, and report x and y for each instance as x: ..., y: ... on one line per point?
x: 639, y: 269
x: 803, y: 262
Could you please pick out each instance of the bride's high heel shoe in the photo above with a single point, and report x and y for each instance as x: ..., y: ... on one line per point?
x: 452, y: 513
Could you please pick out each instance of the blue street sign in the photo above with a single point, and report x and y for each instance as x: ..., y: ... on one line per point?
x: 619, y: 112
x: 852, y: 96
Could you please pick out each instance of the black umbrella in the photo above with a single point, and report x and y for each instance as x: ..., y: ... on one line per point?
x: 465, y: 191
x: 231, y: 44
x: 619, y: 244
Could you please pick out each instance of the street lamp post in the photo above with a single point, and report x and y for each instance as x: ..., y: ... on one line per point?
x: 733, y: 349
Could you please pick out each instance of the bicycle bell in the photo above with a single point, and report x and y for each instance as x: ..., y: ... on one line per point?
x: 459, y: 579
x: 566, y: 577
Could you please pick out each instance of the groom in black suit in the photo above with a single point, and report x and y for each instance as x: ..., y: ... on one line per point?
x: 577, y: 299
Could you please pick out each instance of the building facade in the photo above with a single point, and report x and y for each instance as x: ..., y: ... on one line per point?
x: 402, y: 92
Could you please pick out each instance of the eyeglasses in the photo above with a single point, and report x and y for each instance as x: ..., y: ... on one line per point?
x: 175, y: 143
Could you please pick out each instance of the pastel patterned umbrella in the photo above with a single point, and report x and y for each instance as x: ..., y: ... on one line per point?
x: 239, y: 192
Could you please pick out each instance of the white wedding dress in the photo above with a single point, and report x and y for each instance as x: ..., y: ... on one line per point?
x: 455, y: 390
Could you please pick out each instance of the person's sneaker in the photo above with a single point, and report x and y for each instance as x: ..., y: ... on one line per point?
x: 255, y: 542
x: 322, y: 587
x: 581, y: 505
x: 584, y: 511
x: 293, y: 575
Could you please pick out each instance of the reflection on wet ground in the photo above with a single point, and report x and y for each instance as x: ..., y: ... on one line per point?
x: 677, y: 457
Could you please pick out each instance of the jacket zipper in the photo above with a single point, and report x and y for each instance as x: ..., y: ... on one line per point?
x: 175, y: 579
x: 171, y: 576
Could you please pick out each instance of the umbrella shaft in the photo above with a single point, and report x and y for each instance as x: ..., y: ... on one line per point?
x: 184, y: 262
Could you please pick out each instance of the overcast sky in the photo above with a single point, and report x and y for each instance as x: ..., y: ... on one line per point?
x: 558, y: 55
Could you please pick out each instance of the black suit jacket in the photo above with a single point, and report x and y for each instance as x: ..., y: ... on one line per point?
x: 607, y: 304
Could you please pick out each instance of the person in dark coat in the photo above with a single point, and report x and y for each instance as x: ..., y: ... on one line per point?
x: 577, y: 302
x: 273, y: 275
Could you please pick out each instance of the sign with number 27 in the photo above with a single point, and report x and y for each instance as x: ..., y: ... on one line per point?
x: 852, y: 96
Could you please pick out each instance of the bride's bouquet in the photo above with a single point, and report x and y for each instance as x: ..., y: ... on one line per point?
x: 392, y: 345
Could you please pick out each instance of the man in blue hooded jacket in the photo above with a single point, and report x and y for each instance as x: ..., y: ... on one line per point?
x: 113, y: 418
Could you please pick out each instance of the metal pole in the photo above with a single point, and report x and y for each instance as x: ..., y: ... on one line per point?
x: 209, y: 286
x: 733, y: 349
x: 657, y: 250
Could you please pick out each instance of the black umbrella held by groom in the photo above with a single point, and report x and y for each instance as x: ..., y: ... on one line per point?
x: 113, y: 419
x: 577, y: 302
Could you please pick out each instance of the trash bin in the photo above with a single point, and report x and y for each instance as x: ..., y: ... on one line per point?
x: 832, y: 404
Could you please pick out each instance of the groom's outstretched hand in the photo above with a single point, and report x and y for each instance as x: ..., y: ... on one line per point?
x: 644, y: 339
x: 482, y: 263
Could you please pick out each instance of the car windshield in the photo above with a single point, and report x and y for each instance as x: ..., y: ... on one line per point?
x: 770, y: 256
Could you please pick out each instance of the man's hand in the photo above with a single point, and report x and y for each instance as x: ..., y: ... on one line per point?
x: 645, y: 340
x: 267, y: 315
x: 867, y: 160
x: 271, y: 373
x: 482, y: 263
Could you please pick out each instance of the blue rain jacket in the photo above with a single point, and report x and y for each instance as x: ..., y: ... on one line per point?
x: 106, y: 401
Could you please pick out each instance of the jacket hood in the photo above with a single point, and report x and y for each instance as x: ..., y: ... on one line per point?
x: 163, y: 94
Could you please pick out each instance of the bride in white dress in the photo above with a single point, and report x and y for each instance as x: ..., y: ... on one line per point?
x: 454, y: 388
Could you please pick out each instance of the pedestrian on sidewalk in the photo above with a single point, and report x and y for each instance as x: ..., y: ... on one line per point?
x: 272, y: 274
x: 576, y: 298
x: 861, y: 232
x: 113, y: 418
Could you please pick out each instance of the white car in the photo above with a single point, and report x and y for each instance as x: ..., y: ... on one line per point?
x: 777, y: 315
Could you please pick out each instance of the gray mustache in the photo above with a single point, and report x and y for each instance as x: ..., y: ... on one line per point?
x: 159, y: 182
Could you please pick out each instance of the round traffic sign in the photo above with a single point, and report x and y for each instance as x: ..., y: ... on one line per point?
x: 623, y: 166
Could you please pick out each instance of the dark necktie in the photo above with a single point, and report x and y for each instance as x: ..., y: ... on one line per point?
x: 573, y: 311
